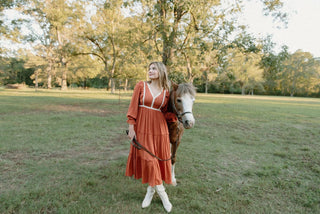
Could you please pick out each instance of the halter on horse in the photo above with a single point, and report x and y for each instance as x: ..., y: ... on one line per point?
x: 182, y: 97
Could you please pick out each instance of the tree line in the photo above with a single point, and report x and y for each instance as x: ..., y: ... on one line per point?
x: 109, y: 43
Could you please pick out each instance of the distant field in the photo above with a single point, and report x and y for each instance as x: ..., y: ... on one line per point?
x: 65, y: 152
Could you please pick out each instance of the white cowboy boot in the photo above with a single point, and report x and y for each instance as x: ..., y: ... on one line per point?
x: 148, y: 198
x: 164, y: 197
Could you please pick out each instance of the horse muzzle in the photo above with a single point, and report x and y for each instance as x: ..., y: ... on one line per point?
x: 188, y: 124
x: 188, y: 120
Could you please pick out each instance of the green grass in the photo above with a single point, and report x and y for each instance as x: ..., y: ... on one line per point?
x: 65, y: 152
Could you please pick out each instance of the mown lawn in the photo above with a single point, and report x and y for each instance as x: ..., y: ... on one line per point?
x: 65, y: 152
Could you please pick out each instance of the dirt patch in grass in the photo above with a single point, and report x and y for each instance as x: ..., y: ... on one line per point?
x: 115, y: 149
x: 18, y: 158
x: 82, y: 108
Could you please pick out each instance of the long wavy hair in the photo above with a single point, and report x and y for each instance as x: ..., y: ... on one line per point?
x: 163, y: 75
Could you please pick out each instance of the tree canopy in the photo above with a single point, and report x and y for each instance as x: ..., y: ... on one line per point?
x: 109, y: 43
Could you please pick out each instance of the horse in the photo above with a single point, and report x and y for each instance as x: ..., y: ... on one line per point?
x: 181, y: 101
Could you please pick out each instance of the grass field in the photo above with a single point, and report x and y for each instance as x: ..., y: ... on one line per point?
x: 65, y: 152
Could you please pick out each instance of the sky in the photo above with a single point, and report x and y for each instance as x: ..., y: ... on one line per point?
x: 303, y: 29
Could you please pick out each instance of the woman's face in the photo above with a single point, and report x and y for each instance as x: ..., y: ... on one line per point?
x: 153, y: 72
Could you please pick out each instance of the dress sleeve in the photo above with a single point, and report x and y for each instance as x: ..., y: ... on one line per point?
x: 134, y: 104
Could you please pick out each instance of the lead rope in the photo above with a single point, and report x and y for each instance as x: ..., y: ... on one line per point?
x: 138, y: 146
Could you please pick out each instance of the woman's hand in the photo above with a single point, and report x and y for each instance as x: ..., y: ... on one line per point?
x: 131, y: 133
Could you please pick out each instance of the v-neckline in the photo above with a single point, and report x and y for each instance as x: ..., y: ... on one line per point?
x: 152, y: 92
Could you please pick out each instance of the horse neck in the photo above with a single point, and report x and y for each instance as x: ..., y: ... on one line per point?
x: 170, y: 104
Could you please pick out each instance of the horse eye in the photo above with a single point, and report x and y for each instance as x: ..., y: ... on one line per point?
x: 179, y: 100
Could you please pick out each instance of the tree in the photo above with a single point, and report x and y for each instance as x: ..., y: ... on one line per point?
x: 9, y: 30
x: 39, y: 65
x: 13, y: 70
x: 56, y: 19
x: 3, y: 6
x: 82, y: 68
x: 60, y: 14
x: 272, y: 65
x: 245, y: 70
x: 42, y: 38
x: 106, y: 36
x: 191, y: 37
x: 177, y: 22
x: 299, y: 74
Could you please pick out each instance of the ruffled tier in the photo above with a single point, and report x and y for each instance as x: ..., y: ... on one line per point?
x: 153, y: 134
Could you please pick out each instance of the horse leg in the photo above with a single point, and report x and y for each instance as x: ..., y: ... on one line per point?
x: 176, y: 131
x: 174, y: 147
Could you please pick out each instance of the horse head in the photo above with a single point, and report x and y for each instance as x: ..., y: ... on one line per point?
x: 182, y: 97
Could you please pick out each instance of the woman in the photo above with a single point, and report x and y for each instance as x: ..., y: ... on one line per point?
x: 148, y: 125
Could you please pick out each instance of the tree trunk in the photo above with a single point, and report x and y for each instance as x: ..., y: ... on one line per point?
x: 168, y: 38
x: 114, y: 59
x: 206, y: 87
x: 126, y: 85
x: 243, y: 90
x: 162, y: 8
x: 292, y: 91
x: 36, y: 79
x: 63, y: 61
x: 50, y: 59
x: 64, y: 77
x: 107, y: 72
x: 113, y: 87
x: 189, y: 70
x: 49, y: 76
x: 85, y: 83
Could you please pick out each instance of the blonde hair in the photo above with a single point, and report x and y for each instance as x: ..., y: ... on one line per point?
x: 163, y: 75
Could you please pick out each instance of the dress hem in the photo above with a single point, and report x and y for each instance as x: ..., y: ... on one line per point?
x: 134, y: 178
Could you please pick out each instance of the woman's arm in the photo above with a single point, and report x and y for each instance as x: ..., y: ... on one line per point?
x: 133, y: 109
x: 131, y: 133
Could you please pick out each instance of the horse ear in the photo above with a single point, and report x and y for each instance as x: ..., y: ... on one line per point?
x: 174, y: 85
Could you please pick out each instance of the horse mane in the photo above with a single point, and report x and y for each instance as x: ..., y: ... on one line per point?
x: 186, y: 88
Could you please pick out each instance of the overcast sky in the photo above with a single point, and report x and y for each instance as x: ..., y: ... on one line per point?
x: 302, y: 32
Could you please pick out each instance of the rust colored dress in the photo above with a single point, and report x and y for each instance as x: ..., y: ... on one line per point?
x: 146, y: 113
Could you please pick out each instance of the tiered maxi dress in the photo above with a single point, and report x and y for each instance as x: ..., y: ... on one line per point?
x: 146, y: 113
